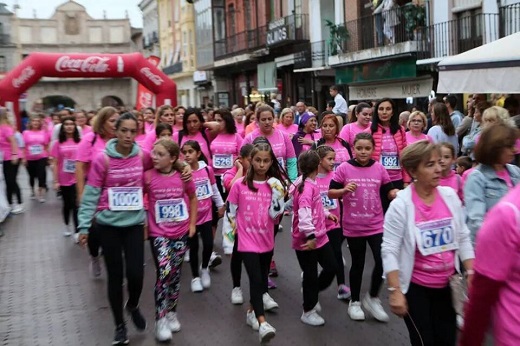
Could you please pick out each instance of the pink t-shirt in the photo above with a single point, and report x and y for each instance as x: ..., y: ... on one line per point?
x: 342, y: 154
x: 225, y: 148
x: 315, y: 136
x: 290, y: 131
x: 107, y: 172
x: 149, y: 140
x: 65, y: 155
x: 282, y: 146
x: 141, y: 140
x: 197, y: 138
x: 498, y: 258
x: 36, y: 143
x: 240, y: 129
x: 330, y: 204
x: 169, y: 204
x: 6, y: 132
x: 432, y: 270
x: 362, y: 210
x: 517, y: 146
x: 228, y: 176
x: 390, y: 156
x: 454, y: 181
x: 204, y: 178
x: 255, y: 228
x: 87, y: 151
x: 410, y: 139
x: 149, y: 127
x: 86, y: 130
x: 309, y: 198
x: 504, y: 175
x: 348, y: 132
x: 465, y: 175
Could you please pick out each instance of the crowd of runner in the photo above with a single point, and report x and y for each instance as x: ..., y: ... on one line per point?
x: 433, y: 195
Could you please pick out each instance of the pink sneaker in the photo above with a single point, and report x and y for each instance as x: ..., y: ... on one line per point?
x: 271, y: 284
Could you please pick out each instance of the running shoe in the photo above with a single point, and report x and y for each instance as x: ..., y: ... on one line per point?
x: 237, y: 297
x: 67, y: 232
x: 95, y: 267
x: 312, y: 318
x: 355, y: 312
x: 251, y: 320
x: 266, y: 332
x: 162, y: 331
x: 272, y: 269
x: 215, y: 260
x: 76, y: 238
x: 137, y: 317
x: 173, y: 322
x: 205, y: 278
x: 269, y: 303
x: 344, y: 292
x: 271, y: 284
x: 374, y: 307
x: 17, y: 209
x: 120, y: 337
x: 196, y: 285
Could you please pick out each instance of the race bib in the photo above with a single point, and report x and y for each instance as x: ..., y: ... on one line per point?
x: 390, y: 161
x: 171, y: 210
x: 125, y: 198
x: 69, y: 166
x: 434, y: 237
x: 203, y: 189
x: 281, y: 162
x: 36, y: 149
x: 223, y: 161
x: 328, y: 203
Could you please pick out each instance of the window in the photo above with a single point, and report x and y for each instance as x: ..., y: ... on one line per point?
x: 248, y: 14
x: 231, y: 16
x: 184, y: 44
x: 3, y: 65
x: 219, y: 22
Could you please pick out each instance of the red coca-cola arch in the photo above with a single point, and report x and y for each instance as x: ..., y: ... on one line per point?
x: 65, y: 65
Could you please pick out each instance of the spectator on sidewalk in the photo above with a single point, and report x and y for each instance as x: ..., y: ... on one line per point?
x: 456, y: 117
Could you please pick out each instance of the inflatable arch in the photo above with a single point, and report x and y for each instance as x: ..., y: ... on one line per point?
x: 65, y: 65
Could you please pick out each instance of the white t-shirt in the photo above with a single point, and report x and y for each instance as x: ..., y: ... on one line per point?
x: 340, y: 106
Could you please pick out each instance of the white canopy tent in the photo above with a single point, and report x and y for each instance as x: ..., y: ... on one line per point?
x: 490, y: 68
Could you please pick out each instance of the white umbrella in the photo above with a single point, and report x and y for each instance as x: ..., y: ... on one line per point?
x: 490, y: 68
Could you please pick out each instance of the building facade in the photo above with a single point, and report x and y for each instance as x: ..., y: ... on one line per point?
x: 72, y: 29
x: 7, y: 45
x: 150, y: 40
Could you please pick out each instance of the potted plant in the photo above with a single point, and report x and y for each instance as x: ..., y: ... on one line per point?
x: 338, y: 35
x: 414, y: 20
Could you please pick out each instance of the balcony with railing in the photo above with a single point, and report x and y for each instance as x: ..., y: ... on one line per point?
x: 288, y: 30
x: 240, y: 43
x: 509, y: 19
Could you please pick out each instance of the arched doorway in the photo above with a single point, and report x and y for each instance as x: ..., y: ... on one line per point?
x: 56, y: 102
x: 111, y: 100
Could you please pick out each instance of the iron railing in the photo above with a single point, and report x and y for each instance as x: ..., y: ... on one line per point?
x: 242, y: 42
x: 320, y: 53
x: 509, y: 19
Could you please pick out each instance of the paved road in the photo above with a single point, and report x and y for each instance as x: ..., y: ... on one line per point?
x: 47, y: 298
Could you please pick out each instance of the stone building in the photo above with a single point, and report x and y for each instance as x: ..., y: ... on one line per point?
x: 71, y: 29
x: 7, y: 45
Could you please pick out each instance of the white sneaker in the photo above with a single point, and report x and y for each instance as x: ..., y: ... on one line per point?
x: 214, y: 260
x: 187, y: 256
x: 67, y: 232
x: 312, y: 318
x: 374, y: 307
x: 41, y: 200
x: 17, y: 209
x: 205, y: 278
x: 76, y: 238
x: 266, y: 332
x: 196, y: 285
x: 173, y: 322
x: 252, y: 321
x: 318, y: 307
x: 460, y: 322
x: 355, y: 312
x: 95, y: 267
x: 236, y: 296
x: 269, y: 303
x: 162, y: 331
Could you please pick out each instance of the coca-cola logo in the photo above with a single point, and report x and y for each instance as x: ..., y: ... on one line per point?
x: 26, y: 74
x: 146, y: 99
x: 157, y: 80
x: 92, y: 64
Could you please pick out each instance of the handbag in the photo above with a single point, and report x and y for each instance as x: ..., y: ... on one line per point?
x: 459, y: 292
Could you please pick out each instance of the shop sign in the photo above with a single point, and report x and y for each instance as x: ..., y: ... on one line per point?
x: 419, y: 87
x: 377, y: 70
x: 278, y: 32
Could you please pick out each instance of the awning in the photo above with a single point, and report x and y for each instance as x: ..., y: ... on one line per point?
x: 266, y: 76
x: 490, y: 68
x: 310, y: 69
x: 401, y: 89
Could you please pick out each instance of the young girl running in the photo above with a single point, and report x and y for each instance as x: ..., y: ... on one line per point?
x: 361, y: 183
x: 310, y: 237
x: 63, y: 153
x: 254, y: 203
x: 229, y: 178
x: 172, y: 217
x: 449, y: 177
x: 206, y: 191
x: 332, y: 213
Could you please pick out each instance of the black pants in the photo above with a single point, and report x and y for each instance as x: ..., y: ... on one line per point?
x: 68, y: 194
x: 123, y: 244
x: 236, y: 264
x: 398, y: 184
x: 11, y: 185
x: 358, y: 247
x: 94, y: 242
x: 336, y: 240
x: 206, y: 233
x: 257, y: 267
x: 431, y: 319
x: 37, y: 169
x: 312, y: 282
x: 223, y: 194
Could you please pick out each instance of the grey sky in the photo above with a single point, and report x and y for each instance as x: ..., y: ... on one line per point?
x: 95, y: 8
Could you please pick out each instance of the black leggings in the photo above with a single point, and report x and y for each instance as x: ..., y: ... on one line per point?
x: 236, y: 264
x: 206, y: 233
x: 223, y: 194
x: 312, y: 282
x: 37, y: 169
x: 257, y: 267
x: 431, y: 319
x: 385, y: 202
x: 68, y: 194
x: 336, y: 240
x: 123, y: 244
x: 11, y: 185
x: 358, y: 247
x: 94, y: 242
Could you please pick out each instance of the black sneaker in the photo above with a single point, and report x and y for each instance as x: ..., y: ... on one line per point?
x: 215, y: 260
x: 137, y: 317
x: 120, y: 337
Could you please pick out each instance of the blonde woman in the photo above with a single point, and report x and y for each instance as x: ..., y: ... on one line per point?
x: 417, y: 123
x: 9, y: 153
